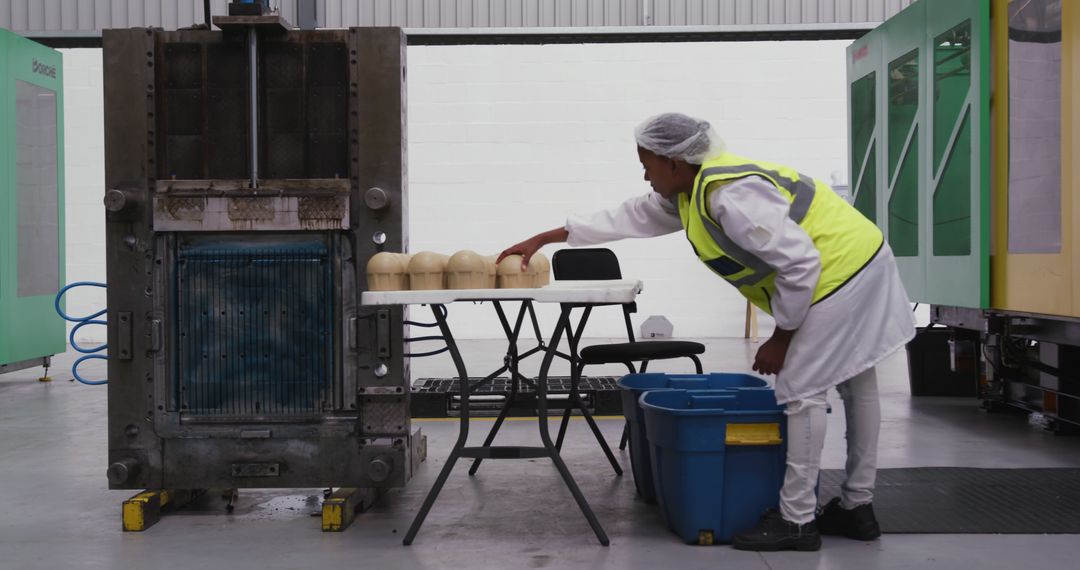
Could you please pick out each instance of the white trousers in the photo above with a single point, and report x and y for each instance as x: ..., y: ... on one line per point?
x: 806, y: 423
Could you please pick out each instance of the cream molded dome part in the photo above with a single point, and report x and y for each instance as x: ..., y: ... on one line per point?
x: 466, y: 270
x: 541, y: 268
x: 427, y: 270
x: 510, y: 275
x: 492, y: 270
x: 388, y: 271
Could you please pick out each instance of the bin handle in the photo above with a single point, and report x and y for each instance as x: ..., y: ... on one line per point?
x: 713, y: 402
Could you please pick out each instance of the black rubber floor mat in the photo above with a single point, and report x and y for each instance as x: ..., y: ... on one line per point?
x: 962, y: 500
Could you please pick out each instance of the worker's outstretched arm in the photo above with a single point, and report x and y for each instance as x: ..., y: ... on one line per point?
x: 648, y: 215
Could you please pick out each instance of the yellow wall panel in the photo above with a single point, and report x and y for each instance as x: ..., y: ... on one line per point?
x: 1036, y: 283
x: 999, y: 173
x: 1070, y: 138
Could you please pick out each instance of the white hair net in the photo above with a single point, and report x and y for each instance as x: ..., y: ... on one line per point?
x: 679, y: 136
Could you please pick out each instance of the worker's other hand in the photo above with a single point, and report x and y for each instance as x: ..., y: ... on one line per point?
x: 525, y: 249
x: 770, y: 357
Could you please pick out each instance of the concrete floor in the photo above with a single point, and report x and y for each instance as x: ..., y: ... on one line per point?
x: 55, y: 511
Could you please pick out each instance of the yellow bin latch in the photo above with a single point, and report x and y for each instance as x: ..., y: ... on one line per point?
x: 753, y: 434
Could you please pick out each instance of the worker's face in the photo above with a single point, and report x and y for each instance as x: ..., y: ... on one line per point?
x: 666, y: 176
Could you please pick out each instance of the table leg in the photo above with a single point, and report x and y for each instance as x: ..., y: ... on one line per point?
x: 573, y: 339
x: 545, y: 435
x: 463, y: 430
x: 511, y: 365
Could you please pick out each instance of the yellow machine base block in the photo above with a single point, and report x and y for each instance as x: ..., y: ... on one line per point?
x: 341, y: 508
x: 144, y: 510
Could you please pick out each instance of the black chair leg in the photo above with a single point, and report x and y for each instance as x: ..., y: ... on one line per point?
x: 626, y: 428
x: 697, y: 363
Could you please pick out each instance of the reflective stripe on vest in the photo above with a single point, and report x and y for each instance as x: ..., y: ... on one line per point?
x: 844, y: 238
x: 802, y: 190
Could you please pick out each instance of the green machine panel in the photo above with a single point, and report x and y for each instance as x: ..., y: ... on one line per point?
x: 31, y: 201
x: 919, y: 118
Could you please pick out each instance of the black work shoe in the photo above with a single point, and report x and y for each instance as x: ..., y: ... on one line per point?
x: 858, y: 523
x: 774, y: 533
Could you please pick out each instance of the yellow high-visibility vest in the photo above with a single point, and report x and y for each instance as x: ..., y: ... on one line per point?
x: 844, y: 238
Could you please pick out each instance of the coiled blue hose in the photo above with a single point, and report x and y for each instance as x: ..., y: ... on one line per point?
x: 83, y: 321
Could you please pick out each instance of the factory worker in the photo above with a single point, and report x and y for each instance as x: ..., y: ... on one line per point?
x: 799, y: 252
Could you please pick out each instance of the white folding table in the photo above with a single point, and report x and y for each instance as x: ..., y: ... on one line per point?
x: 569, y: 294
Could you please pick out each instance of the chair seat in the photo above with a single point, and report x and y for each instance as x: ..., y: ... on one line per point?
x: 644, y: 350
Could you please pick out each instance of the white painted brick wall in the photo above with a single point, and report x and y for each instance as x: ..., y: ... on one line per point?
x: 506, y: 141
x: 84, y: 185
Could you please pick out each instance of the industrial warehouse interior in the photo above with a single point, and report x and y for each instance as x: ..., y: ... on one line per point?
x: 406, y: 283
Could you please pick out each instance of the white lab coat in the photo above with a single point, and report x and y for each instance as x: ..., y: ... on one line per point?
x: 850, y: 331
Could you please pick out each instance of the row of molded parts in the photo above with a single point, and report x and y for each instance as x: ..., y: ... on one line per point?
x: 465, y: 269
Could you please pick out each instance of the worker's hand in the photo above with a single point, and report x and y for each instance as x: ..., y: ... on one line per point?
x: 525, y: 249
x: 770, y: 357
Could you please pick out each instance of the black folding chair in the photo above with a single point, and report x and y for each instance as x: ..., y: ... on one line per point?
x: 582, y: 264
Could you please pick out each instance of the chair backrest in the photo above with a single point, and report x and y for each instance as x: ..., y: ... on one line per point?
x: 591, y: 264
x: 585, y: 264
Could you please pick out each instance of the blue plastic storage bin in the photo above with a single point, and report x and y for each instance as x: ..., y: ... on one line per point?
x: 717, y: 459
x: 634, y: 385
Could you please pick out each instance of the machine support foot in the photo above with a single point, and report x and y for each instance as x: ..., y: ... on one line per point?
x: 339, y: 510
x: 144, y: 510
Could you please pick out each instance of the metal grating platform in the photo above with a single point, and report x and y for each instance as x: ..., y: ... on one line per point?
x: 441, y: 397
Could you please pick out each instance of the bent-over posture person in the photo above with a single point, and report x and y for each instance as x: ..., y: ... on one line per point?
x: 799, y: 252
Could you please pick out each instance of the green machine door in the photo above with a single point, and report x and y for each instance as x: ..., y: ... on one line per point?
x: 957, y: 185
x: 865, y: 123
x: 919, y: 127
x: 31, y: 199
x: 901, y: 217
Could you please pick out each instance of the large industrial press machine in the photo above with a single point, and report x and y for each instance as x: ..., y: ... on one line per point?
x: 31, y: 202
x: 250, y: 174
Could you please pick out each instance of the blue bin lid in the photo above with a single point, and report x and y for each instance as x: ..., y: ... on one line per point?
x: 709, y: 402
x: 715, y: 381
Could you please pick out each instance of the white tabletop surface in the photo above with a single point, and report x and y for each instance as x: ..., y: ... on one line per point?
x: 608, y: 291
